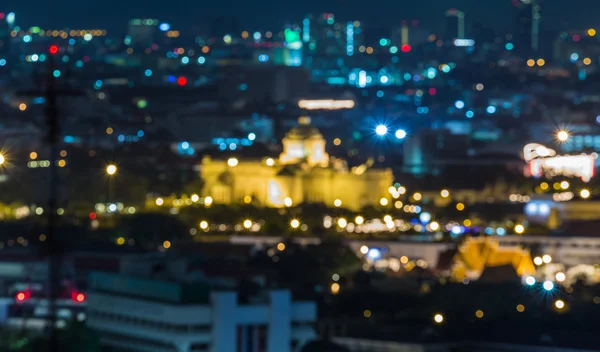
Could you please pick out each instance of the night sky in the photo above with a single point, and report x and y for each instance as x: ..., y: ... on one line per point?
x: 270, y: 15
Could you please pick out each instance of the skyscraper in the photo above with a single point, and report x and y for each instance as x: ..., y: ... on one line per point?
x: 142, y: 32
x: 455, y: 24
x: 527, y: 25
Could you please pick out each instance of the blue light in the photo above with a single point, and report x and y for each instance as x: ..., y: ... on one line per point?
x: 379, y: 94
x: 500, y: 231
x: 374, y: 254
x: 445, y: 68
x: 491, y: 109
x: 251, y: 136
x: 71, y: 41
x: 140, y: 133
x: 401, y: 134
x: 232, y: 146
x: 201, y: 60
x: 27, y: 38
x: 469, y: 114
x: 99, y: 83
x: 78, y: 63
x: 172, y: 79
x: 69, y: 139
x: 121, y: 138
x: 456, y: 230
x: 381, y: 130
x: 2, y: 62
x: 431, y: 73
x: 263, y: 57
x: 164, y: 27
x: 185, y: 60
x: 56, y: 73
x: 574, y: 57
x: 509, y: 46
x: 407, y: 76
x: 39, y: 100
x: 548, y: 285
x: 148, y: 73
x: 425, y: 217
x: 185, y: 145
x: 384, y: 79
x: 222, y: 146
x: 459, y: 104
x: 243, y: 87
x: 393, y: 49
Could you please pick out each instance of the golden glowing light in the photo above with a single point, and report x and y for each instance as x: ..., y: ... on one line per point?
x: 120, y: 241
x: 417, y: 196
x: 562, y: 135
x: 195, y: 198
x: 467, y: 222
x: 342, y: 223
x: 438, y: 318
x: 445, y: 193
x: 247, y: 224
x: 364, y: 249
x: 22, y: 106
x: 167, y: 244
x: 434, y: 226
x: 270, y: 162
x: 204, y: 224
x: 208, y: 201
x: 232, y: 162
x: 520, y: 308
x: 337, y: 203
x: 337, y: 141
x: 159, y: 201
x: 247, y: 199
x: 281, y: 246
x: 587, y: 61
x: 359, y: 220
x: 519, y: 229
x: 109, y: 131
x: 531, y: 62
x: 591, y: 32
x: 544, y: 185
x: 287, y: 201
x: 335, y: 288
x: 295, y: 223
x: 33, y: 155
x: 541, y: 62
x: 383, y: 202
x: 367, y: 313
x: 111, y: 169
x: 584, y: 193
x: 479, y: 313
x: 62, y: 163
x: 559, y: 304
x: 460, y: 206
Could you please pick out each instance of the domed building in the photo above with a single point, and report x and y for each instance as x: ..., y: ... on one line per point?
x: 304, y: 173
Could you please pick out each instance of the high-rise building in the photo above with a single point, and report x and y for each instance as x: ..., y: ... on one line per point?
x: 526, y: 33
x: 325, y: 36
x: 455, y: 24
x: 6, y: 24
x: 142, y: 32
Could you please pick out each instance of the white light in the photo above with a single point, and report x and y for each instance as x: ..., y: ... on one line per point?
x: 112, y: 208
x: 459, y: 104
x: 464, y: 42
x: 364, y: 249
x: 530, y: 280
x: 87, y: 37
x: 546, y: 258
x: 381, y: 130
x: 400, y: 134
x: 326, y: 104
x: 548, y: 285
x: 425, y: 217
x: 560, y: 276
x: 251, y: 136
x: 374, y: 253
x: 544, y: 209
x: 538, y: 261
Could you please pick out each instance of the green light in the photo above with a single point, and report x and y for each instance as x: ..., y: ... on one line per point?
x: 34, y: 30
x: 142, y: 103
x: 384, y: 42
x: 56, y: 73
x: 291, y: 36
x: 393, y: 49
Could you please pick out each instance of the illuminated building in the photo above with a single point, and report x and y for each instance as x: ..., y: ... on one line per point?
x: 304, y: 172
x: 142, y: 32
x: 476, y: 254
x: 143, y: 314
x: 543, y: 160
x: 455, y: 24
x: 527, y: 25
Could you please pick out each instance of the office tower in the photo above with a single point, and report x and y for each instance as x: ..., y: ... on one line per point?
x: 142, y: 32
x: 455, y: 24
x: 527, y: 25
x: 4, y: 35
x: 326, y: 36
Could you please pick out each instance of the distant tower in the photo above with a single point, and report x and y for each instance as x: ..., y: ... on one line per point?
x: 142, y: 32
x: 527, y: 25
x: 455, y: 24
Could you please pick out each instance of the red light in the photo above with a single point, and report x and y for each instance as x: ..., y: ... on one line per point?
x: 92, y: 216
x: 432, y: 91
x: 21, y: 296
x: 182, y: 81
x: 79, y: 297
x: 53, y: 49
x: 576, y: 38
x: 405, y: 48
x: 1, y: 15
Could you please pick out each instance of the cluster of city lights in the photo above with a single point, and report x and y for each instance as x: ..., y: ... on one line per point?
x: 382, y: 131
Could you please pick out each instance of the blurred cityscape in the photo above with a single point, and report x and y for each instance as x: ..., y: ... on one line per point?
x: 330, y: 185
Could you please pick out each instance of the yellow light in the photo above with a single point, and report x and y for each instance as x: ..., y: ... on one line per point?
x: 42, y: 238
x: 287, y: 201
x: 538, y: 261
x: 584, y: 193
x: 564, y: 185
x: 120, y: 241
x: 195, y: 198
x: 417, y: 196
x: 295, y: 223
x: 591, y: 32
x: 22, y: 106
x: 270, y: 162
x: 559, y: 304
x: 247, y: 224
x: 544, y: 185
x: 167, y: 244
x: 587, y: 61
x: 467, y: 222
x: 232, y: 162
x: 359, y: 220
x: 281, y: 246
x: 369, y: 50
x: 335, y: 288
x: 244, y: 34
x: 560, y: 276
x: 367, y: 313
x: 438, y: 318
x: 111, y: 169
x: 546, y: 258
x: 479, y: 313
x: 531, y: 62
x: 159, y: 201
x: 33, y: 155
x: 203, y: 224
x: 445, y: 193
x: 364, y: 249
x: 387, y: 218
x: 519, y: 229
x: 383, y: 202
x: 434, y: 226
x: 401, y: 190
x: 109, y: 131
x: 337, y: 203
x: 398, y: 204
x: 404, y: 259
x: 520, y: 308
x: 62, y: 163
x: 342, y: 223
x: 208, y: 201
x: 63, y: 153
x: 541, y: 62
x: 460, y: 206
x: 247, y: 199
x: 337, y: 141
x: 562, y: 135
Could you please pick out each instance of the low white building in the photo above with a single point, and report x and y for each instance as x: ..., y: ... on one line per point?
x: 139, y: 314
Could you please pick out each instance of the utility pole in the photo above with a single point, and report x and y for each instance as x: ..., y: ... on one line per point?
x: 52, y: 250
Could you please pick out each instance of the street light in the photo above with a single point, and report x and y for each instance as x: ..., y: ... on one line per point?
x: 562, y: 135
x: 2, y: 159
x: 111, y: 169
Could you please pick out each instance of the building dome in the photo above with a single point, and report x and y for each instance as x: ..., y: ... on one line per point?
x: 304, y: 131
x: 304, y: 143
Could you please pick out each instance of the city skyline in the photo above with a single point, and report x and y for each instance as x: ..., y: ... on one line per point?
x: 497, y: 14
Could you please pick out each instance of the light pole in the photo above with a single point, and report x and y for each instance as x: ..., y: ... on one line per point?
x: 111, y: 170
